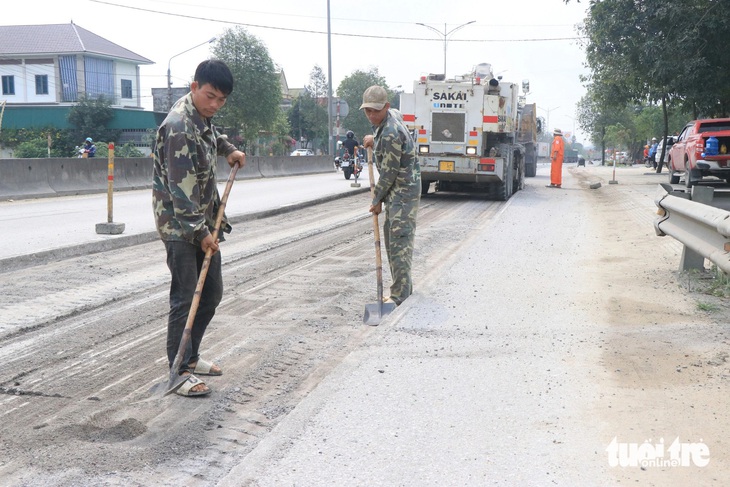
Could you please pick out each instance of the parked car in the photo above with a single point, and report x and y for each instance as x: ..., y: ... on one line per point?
x: 688, y: 156
x: 671, y: 139
x: 302, y: 152
x: 622, y: 157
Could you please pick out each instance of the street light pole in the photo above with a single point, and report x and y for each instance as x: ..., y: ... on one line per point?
x: 169, y: 79
x: 548, y: 115
x: 445, y: 34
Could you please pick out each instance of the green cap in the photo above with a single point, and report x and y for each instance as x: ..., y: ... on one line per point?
x: 374, y: 97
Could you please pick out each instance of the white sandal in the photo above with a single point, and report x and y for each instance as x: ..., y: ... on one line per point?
x: 186, y: 388
x: 203, y: 367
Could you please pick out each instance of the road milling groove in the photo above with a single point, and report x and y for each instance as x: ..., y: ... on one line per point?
x: 271, y: 359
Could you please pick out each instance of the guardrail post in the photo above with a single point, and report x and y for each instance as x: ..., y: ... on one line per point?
x: 110, y: 227
x: 691, y: 259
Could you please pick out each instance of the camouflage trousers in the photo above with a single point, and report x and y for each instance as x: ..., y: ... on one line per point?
x: 399, y: 233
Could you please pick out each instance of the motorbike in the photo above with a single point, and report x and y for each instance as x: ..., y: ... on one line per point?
x: 351, y: 166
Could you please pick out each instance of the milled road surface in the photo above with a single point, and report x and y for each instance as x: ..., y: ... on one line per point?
x: 541, y: 328
x: 83, y: 342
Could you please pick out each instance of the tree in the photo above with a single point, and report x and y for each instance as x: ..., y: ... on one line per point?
x: 308, y: 120
x: 351, y: 89
x: 596, y: 114
x: 671, y: 53
x: 90, y: 117
x: 318, y: 86
x: 254, y: 104
x: 281, y: 143
x: 308, y: 114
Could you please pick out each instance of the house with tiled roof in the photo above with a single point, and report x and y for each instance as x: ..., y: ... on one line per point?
x: 46, y: 69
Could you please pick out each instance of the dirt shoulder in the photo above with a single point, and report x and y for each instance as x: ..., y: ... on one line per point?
x: 667, y: 374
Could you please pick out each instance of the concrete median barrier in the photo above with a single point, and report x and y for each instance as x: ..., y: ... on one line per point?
x: 294, y: 165
x: 24, y: 178
x: 38, y: 178
x: 133, y: 173
x: 77, y: 176
x: 249, y: 171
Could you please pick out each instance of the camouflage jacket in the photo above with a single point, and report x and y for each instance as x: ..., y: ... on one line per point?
x: 396, y: 160
x: 185, y: 198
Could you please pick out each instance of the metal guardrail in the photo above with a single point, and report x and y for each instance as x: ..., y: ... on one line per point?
x: 703, y: 229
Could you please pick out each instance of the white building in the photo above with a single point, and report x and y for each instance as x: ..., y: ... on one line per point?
x: 56, y: 64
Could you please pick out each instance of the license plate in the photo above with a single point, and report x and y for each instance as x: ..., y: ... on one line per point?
x: 446, y: 166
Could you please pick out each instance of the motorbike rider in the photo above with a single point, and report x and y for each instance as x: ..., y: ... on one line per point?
x: 350, y: 145
x: 89, y: 148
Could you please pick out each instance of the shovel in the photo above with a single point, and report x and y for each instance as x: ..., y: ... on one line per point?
x: 177, y: 380
x: 375, y: 312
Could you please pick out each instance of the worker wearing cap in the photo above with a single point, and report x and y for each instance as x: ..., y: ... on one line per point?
x: 398, y: 188
x: 557, y: 151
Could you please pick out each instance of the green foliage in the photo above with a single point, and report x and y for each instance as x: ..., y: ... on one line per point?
x: 707, y: 307
x: 657, y: 51
x: 64, y: 143
x: 34, y: 142
x: 34, y: 148
x: 90, y: 116
x: 718, y: 285
x: 127, y: 150
x: 308, y: 119
x: 254, y: 104
x: 630, y: 126
x: 351, y: 89
x: 280, y: 143
x: 308, y: 115
x: 653, y: 53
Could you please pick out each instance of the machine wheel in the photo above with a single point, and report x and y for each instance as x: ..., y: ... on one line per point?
x: 531, y: 170
x: 503, y: 190
x: 347, y: 172
x: 425, y: 186
x: 519, y: 175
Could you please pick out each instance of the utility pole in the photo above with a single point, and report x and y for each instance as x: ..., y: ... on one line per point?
x: 330, y: 141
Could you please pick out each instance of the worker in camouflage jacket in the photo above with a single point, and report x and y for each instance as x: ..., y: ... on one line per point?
x: 398, y: 187
x: 185, y: 202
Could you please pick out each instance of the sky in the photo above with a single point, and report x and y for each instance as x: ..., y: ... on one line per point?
x: 533, y: 40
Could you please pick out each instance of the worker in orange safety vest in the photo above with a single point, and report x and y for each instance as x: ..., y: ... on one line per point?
x: 557, y: 151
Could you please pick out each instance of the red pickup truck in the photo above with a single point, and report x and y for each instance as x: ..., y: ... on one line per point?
x: 688, y: 155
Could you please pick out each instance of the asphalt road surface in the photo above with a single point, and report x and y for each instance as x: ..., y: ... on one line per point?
x: 542, y: 329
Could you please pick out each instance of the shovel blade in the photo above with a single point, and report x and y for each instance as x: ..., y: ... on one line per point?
x: 376, y: 311
x: 175, y: 382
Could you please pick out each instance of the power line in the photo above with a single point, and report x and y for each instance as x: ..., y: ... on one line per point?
x: 177, y: 3
x: 304, y: 31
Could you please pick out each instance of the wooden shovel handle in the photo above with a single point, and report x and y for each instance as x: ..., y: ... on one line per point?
x: 203, y: 273
x: 376, y: 231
